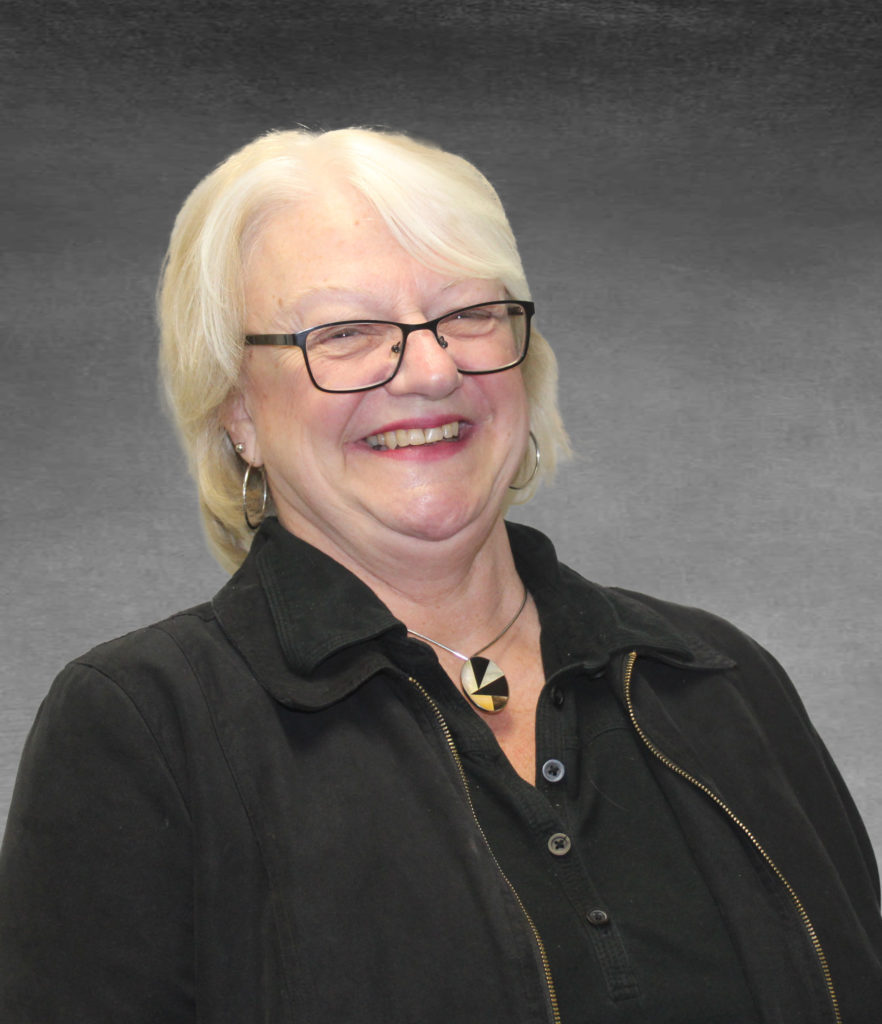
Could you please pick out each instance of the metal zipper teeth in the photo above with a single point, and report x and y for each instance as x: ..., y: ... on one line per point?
x: 668, y: 763
x: 445, y: 728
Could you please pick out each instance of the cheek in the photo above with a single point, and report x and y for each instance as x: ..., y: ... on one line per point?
x: 275, y: 417
x: 506, y: 395
x: 299, y: 422
x: 275, y: 390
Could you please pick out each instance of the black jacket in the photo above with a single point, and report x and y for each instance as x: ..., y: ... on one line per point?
x: 253, y: 813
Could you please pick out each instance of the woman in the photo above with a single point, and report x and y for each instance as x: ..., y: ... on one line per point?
x: 405, y: 766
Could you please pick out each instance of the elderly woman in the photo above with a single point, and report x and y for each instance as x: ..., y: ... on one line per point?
x: 406, y: 766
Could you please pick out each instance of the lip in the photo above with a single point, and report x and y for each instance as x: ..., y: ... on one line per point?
x: 418, y: 453
x: 421, y: 423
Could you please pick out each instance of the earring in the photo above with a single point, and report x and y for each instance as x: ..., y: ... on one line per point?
x: 520, y: 487
x: 239, y: 448
x: 262, y: 512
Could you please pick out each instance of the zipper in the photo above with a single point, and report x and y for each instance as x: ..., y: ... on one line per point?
x: 800, y: 909
x: 445, y: 729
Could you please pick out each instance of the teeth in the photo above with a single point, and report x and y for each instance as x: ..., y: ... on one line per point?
x: 414, y: 436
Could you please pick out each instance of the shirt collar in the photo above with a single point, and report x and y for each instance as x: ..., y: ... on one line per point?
x: 312, y: 632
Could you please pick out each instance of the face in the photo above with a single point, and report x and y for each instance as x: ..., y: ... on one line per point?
x: 332, y: 480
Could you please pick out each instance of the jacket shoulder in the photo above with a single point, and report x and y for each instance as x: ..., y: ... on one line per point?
x: 159, y: 672
x: 148, y: 645
x: 692, y: 622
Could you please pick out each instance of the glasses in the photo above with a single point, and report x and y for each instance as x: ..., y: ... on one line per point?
x: 357, y: 355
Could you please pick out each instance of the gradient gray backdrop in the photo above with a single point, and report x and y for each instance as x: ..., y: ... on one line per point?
x: 696, y: 190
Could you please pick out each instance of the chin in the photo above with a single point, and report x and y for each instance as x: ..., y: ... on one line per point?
x: 436, y: 519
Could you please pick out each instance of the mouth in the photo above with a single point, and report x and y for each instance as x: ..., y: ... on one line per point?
x: 410, y: 437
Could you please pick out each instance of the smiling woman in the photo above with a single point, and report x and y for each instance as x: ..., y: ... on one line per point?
x: 330, y: 261
x: 333, y: 203
x: 405, y: 761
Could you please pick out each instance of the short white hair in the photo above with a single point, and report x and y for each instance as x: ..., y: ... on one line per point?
x: 440, y: 208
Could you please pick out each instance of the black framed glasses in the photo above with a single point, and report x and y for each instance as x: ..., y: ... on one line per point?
x: 357, y: 355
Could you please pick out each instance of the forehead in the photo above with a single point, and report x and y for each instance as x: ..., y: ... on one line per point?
x: 318, y: 229
x: 332, y: 244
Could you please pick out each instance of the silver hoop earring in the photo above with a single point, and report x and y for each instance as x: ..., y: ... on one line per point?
x: 245, y: 478
x: 520, y: 487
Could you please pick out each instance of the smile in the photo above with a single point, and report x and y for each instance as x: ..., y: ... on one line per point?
x: 413, y: 436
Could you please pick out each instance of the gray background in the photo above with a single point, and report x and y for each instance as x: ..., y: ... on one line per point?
x: 695, y: 186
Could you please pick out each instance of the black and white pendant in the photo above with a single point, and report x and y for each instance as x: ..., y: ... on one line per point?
x: 484, y: 684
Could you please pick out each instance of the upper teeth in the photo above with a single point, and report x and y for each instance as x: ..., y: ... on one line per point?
x: 414, y: 436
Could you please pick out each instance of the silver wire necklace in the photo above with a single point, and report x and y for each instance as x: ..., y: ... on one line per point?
x: 482, y: 679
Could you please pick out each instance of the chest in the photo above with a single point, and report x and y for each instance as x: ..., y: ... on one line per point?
x: 514, y: 727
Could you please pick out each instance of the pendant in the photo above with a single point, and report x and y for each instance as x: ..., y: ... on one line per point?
x: 484, y: 684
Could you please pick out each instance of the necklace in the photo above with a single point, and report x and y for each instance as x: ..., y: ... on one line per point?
x: 482, y: 680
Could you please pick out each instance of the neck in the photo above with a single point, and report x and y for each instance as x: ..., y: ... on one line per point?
x: 459, y: 590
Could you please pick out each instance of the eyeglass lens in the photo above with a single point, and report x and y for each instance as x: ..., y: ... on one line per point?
x: 479, y: 339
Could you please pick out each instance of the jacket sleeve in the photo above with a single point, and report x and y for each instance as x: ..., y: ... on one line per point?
x: 777, y: 716
x: 858, y: 831
x: 763, y: 706
x: 96, y: 868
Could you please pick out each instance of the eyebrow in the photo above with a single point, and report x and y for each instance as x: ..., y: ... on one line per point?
x: 331, y: 292
x: 354, y: 295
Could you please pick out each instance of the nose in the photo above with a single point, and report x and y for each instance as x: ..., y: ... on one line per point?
x: 426, y: 367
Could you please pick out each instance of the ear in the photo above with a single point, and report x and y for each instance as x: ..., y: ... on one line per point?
x: 240, y: 426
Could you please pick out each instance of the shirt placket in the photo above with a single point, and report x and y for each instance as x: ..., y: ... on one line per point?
x: 558, y: 781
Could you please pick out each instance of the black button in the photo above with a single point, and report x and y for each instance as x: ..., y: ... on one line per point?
x: 559, y: 844
x: 597, y: 917
x: 553, y: 770
x: 557, y: 696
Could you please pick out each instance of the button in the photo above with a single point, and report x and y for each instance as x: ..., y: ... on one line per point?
x: 557, y: 696
x: 553, y: 770
x: 559, y: 844
x: 597, y: 917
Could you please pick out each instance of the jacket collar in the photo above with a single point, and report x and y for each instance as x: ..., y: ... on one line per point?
x: 312, y: 632
x: 586, y: 624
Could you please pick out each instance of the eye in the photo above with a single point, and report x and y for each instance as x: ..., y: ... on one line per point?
x: 472, y: 314
x: 349, y: 340
x: 336, y: 333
